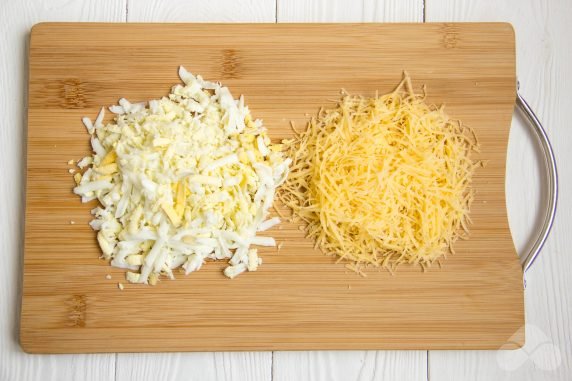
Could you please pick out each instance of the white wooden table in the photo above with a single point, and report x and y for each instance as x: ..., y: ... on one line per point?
x: 544, y: 65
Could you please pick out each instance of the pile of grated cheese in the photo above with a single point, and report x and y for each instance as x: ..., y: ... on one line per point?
x: 181, y: 179
x: 383, y: 180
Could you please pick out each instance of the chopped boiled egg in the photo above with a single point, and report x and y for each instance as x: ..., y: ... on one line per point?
x: 185, y: 178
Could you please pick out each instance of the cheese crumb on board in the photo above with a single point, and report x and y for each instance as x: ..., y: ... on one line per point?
x: 382, y: 181
x: 180, y: 180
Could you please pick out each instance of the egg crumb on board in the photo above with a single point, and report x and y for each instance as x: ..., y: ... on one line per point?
x: 181, y: 179
x: 383, y: 180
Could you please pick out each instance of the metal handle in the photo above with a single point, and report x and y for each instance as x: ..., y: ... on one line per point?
x: 550, y: 165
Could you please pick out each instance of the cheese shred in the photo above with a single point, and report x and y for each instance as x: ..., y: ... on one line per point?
x: 382, y: 181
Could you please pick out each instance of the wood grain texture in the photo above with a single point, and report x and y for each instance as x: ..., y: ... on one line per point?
x: 344, y: 11
x: 203, y: 366
x: 344, y: 365
x: 349, y: 365
x: 199, y: 366
x: 201, y: 11
x: 543, y: 63
x: 17, y: 18
x: 300, y: 299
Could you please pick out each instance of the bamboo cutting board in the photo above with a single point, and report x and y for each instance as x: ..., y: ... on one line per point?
x: 299, y: 299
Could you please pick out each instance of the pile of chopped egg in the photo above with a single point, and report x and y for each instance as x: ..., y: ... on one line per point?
x: 382, y: 181
x: 181, y: 179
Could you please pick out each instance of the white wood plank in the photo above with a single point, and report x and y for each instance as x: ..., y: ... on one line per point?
x: 350, y: 365
x: 17, y: 19
x: 544, y: 58
x: 201, y: 11
x: 350, y: 11
x: 203, y: 366
x: 198, y: 366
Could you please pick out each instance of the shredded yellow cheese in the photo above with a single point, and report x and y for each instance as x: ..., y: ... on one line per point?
x: 383, y: 180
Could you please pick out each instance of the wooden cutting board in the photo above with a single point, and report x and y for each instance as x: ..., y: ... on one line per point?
x: 299, y: 299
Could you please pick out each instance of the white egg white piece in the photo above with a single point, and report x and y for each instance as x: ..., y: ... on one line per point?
x: 180, y: 180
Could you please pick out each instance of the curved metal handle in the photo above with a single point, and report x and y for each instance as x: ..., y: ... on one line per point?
x: 550, y: 165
